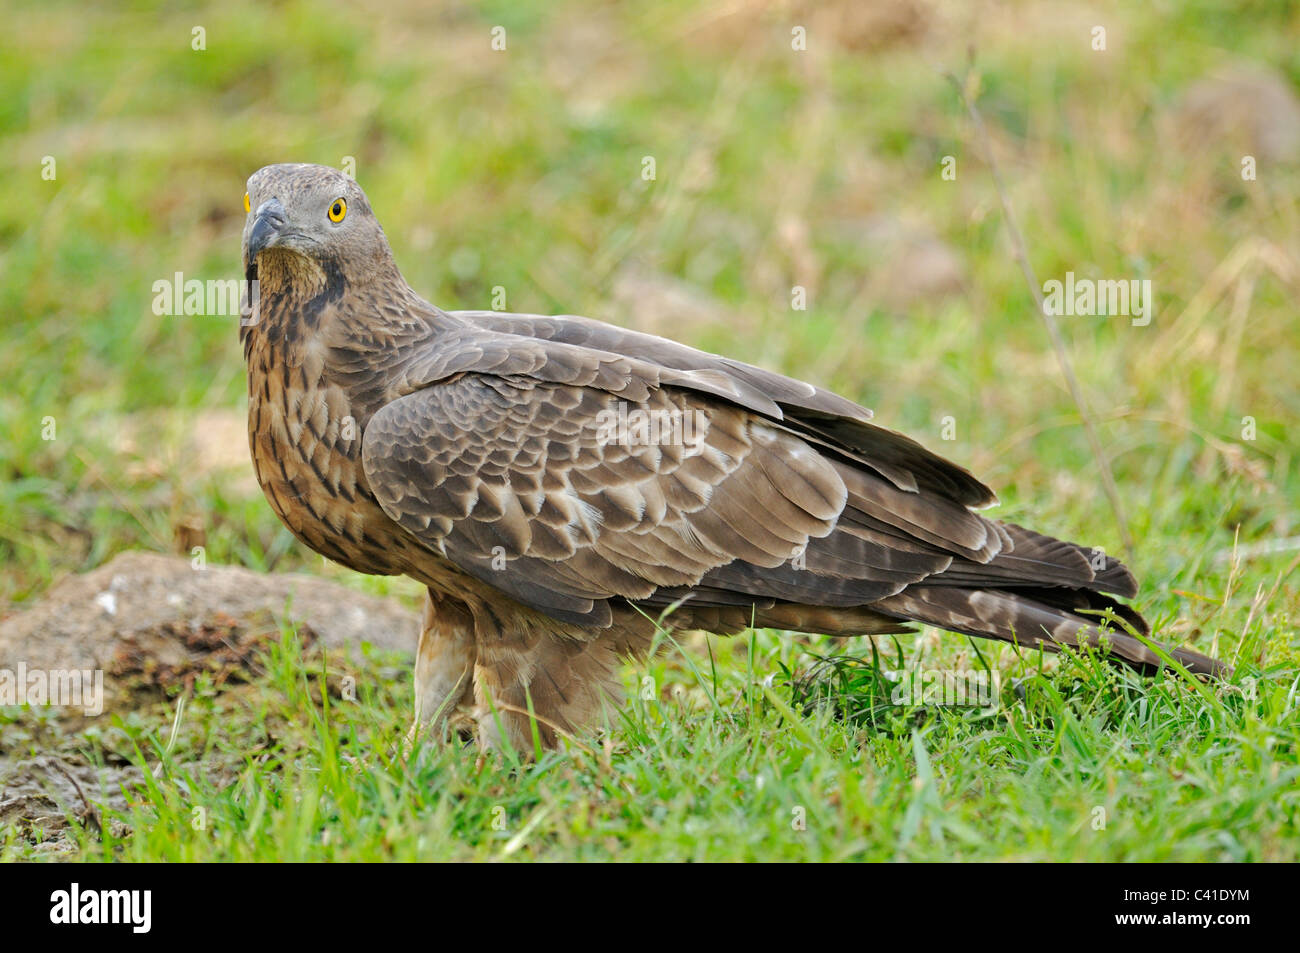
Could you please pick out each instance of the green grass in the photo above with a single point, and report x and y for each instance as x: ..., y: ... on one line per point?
x: 1085, y: 763
x: 522, y: 169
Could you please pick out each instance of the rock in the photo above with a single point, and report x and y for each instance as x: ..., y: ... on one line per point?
x: 1247, y: 109
x: 910, y: 263
x: 145, y: 615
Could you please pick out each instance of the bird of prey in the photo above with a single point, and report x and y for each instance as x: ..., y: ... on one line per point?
x: 561, y: 485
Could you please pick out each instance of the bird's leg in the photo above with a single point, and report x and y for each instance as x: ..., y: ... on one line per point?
x: 533, y: 680
x: 444, y: 669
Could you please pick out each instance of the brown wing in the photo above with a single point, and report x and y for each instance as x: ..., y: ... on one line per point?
x: 555, y: 494
x: 490, y: 447
x: 811, y: 410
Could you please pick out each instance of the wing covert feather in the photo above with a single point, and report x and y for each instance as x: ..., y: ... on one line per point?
x: 539, y: 490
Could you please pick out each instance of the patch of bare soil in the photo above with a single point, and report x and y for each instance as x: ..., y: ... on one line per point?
x: 148, y: 625
x: 145, y: 609
x: 40, y: 797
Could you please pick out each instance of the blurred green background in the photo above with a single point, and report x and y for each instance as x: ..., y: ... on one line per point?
x: 775, y: 168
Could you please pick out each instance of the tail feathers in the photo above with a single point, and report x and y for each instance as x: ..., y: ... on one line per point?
x: 1084, y: 602
x: 1023, y: 620
x: 1037, y: 560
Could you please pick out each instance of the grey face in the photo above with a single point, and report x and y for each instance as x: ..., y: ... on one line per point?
x: 312, y: 211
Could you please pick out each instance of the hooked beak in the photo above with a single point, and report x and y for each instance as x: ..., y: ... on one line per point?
x: 271, y: 218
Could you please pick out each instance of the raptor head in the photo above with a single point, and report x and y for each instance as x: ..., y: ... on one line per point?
x: 312, y: 224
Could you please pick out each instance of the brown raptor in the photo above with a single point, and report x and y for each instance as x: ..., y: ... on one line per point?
x: 558, y: 483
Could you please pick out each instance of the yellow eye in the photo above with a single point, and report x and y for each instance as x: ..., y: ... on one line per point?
x: 248, y: 206
x: 338, y: 210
